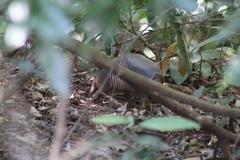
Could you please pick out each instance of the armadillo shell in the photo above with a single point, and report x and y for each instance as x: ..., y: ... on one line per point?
x: 135, y: 62
x: 139, y: 64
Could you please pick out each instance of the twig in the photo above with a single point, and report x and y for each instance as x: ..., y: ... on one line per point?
x: 142, y: 39
x: 60, y: 130
x: 134, y: 39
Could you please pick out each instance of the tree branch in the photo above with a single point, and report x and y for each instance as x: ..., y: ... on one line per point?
x: 147, y: 85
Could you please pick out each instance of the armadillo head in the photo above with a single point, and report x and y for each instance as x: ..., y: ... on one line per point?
x: 98, y: 81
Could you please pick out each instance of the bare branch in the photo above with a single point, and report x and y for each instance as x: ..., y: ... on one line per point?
x: 60, y: 130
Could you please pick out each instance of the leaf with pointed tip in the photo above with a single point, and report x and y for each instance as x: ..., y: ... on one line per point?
x: 169, y: 124
x: 174, y: 72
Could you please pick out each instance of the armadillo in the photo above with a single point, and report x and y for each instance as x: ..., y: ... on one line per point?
x: 135, y: 62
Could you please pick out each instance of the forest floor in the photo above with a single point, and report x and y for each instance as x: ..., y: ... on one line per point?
x: 130, y: 140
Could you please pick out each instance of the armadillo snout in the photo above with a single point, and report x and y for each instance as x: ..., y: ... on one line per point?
x: 98, y: 81
x: 93, y: 88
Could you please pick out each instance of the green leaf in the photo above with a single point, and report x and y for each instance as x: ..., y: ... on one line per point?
x: 140, y: 14
x: 169, y: 124
x: 210, y: 54
x: 183, y: 54
x: 111, y: 120
x: 216, y: 38
x: 174, y: 71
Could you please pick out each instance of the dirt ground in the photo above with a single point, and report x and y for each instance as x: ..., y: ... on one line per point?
x: 43, y: 100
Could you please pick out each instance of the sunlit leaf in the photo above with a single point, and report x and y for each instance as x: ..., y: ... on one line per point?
x: 228, y: 51
x: 149, y: 53
x: 141, y: 14
x: 169, y: 124
x: 111, y: 120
